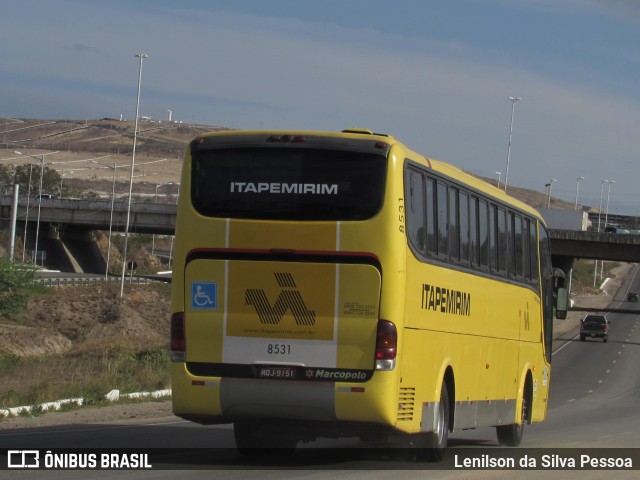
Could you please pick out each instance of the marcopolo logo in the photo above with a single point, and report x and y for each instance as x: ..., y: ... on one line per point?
x: 336, y: 374
x: 290, y: 299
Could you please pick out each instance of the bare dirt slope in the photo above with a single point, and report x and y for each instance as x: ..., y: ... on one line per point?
x: 84, y: 319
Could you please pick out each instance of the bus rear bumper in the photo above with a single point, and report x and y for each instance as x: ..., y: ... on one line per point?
x: 221, y: 400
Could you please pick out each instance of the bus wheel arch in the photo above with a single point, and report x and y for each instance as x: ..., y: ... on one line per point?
x: 511, y: 435
x: 434, y: 443
x: 449, y: 381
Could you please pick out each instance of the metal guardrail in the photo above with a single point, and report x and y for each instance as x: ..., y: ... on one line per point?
x: 70, y: 281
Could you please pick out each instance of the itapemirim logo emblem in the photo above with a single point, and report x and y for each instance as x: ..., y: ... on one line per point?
x: 289, y: 299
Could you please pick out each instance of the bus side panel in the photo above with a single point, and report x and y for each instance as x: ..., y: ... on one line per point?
x: 373, y: 401
x: 420, y: 371
x: 488, y: 344
x: 475, y: 362
x: 541, y: 373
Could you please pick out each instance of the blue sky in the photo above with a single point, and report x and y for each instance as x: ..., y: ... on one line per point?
x: 434, y: 73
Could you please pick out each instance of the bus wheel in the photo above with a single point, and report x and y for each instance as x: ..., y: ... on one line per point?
x: 435, y: 442
x: 511, y: 435
x: 254, y: 439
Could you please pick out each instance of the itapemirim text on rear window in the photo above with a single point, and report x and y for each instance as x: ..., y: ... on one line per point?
x: 287, y: 184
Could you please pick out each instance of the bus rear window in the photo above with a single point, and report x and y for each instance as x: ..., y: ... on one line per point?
x: 287, y: 183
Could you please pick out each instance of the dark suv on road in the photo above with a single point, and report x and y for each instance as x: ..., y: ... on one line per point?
x: 632, y: 297
x: 594, y: 326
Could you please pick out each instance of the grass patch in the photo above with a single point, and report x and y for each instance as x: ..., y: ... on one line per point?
x: 583, y: 274
x: 32, y: 381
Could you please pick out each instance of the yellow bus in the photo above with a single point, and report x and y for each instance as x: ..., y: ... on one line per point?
x: 340, y: 284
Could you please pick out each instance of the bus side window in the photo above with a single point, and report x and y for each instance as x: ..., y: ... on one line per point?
x: 464, y: 227
x: 502, y: 241
x: 511, y: 264
x: 454, y: 237
x: 533, y: 235
x: 443, y: 230
x: 493, y: 238
x: 519, y: 251
x: 415, y: 215
x: 483, y: 232
x: 474, y: 244
x: 430, y: 189
x: 526, y: 261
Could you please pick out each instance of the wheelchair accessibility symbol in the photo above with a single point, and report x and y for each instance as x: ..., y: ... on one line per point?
x: 204, y: 295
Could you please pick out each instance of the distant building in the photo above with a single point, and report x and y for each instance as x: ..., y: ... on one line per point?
x: 558, y: 219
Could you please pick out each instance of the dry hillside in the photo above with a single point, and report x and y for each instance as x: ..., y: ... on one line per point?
x: 159, y: 151
x: 78, y: 320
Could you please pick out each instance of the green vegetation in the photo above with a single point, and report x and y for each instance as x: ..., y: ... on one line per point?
x: 16, y: 286
x: 117, y: 343
x: 583, y: 274
x: 29, y: 176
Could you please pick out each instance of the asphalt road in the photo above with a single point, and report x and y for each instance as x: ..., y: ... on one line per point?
x: 594, y: 404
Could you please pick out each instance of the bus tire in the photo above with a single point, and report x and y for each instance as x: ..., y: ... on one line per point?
x: 434, y: 443
x: 511, y: 435
x: 256, y: 440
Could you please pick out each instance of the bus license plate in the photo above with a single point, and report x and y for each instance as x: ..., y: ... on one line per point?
x: 277, y: 372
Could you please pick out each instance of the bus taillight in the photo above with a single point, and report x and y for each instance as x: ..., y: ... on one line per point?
x: 386, y: 345
x: 178, y: 338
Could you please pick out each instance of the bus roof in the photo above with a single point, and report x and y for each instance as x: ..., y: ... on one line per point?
x: 385, y: 142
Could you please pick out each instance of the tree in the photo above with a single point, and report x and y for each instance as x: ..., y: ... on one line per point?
x: 50, y: 178
x: 6, y: 177
x: 16, y: 281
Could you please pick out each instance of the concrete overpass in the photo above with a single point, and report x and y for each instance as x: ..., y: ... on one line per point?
x: 159, y: 219
x: 77, y: 216
x: 66, y: 240
x: 569, y: 245
x: 595, y: 245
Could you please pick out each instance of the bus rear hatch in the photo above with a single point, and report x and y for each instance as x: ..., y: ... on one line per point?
x: 287, y: 320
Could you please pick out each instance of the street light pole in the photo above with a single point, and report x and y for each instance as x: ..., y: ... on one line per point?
x: 606, y: 220
x: 600, y: 207
x: 550, y: 184
x: 26, y: 215
x: 35, y: 254
x: 606, y: 215
x: 173, y: 236
x: 595, y: 270
x: 577, y: 191
x: 513, y: 101
x: 141, y: 56
x: 113, y: 197
x: 499, y: 174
